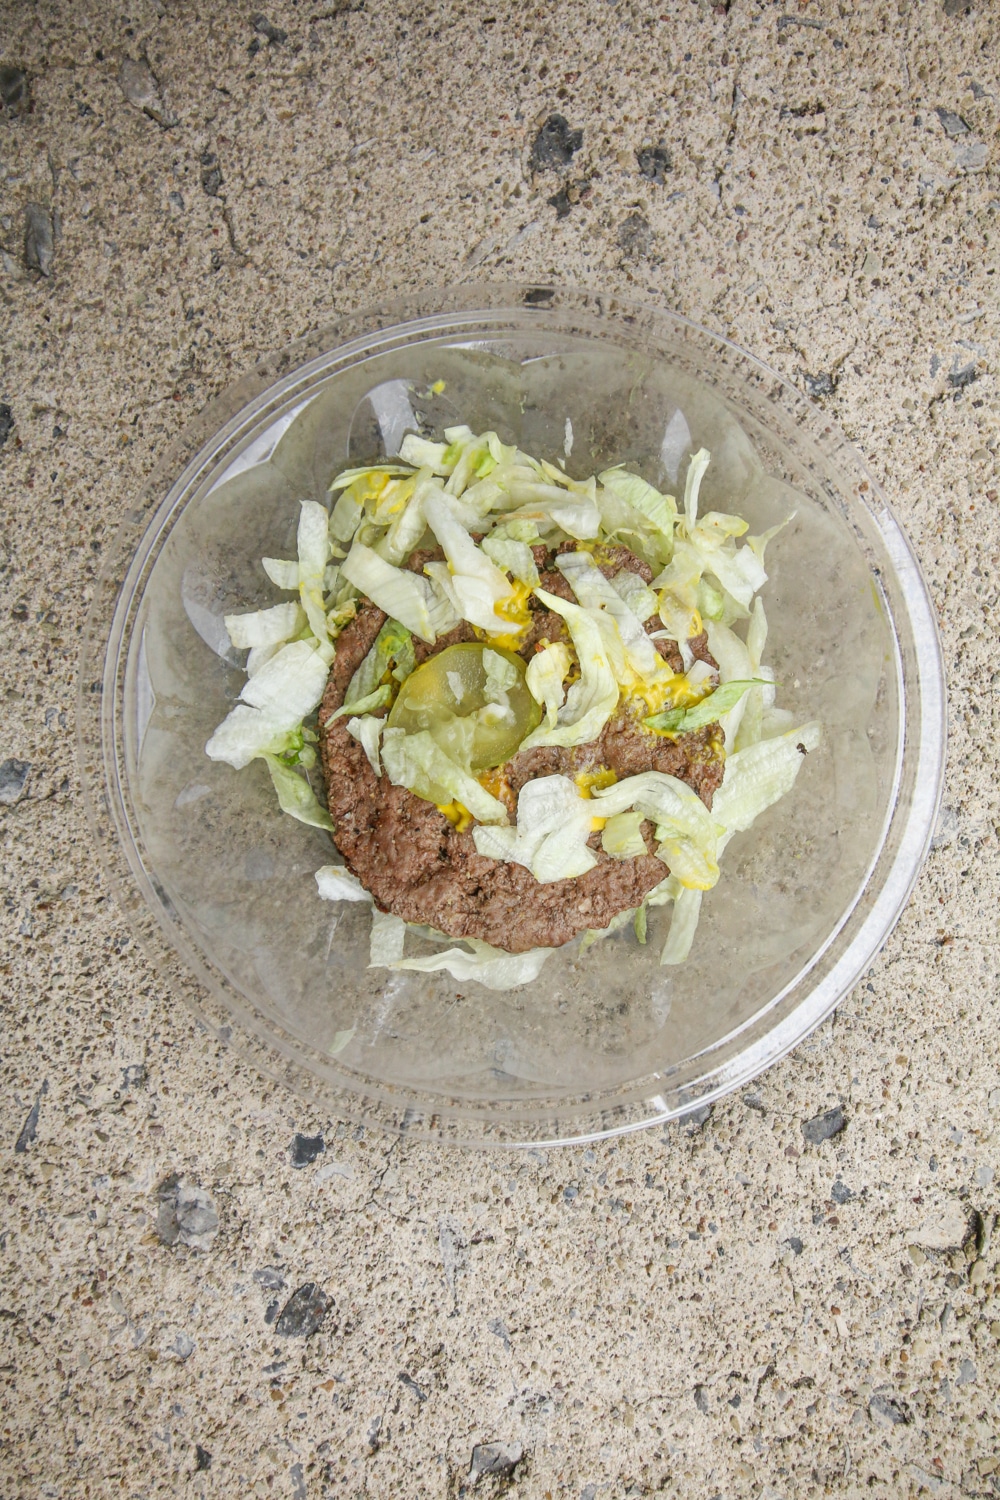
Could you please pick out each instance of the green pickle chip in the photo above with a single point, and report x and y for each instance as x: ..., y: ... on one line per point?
x: 474, y: 722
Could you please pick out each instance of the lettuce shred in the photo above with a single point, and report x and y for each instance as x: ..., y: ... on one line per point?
x: 486, y: 503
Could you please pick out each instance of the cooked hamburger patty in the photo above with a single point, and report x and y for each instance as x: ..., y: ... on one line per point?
x: 412, y: 858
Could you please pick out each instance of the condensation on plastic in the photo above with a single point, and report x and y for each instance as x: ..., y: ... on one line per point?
x: 218, y: 884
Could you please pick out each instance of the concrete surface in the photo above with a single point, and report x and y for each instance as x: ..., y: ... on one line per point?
x: 718, y: 1310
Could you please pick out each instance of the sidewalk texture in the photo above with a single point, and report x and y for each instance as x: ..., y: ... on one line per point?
x: 198, y: 1299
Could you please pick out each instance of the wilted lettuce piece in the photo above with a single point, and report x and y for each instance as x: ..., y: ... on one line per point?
x: 295, y: 796
x: 553, y: 826
x: 345, y: 517
x: 404, y: 596
x: 244, y: 734
x: 418, y: 762
x: 475, y: 461
x: 640, y: 923
x: 683, y: 924
x: 592, y: 700
x: 422, y: 453
x: 394, y: 643
x: 575, y: 513
x: 594, y: 592
x: 597, y: 934
x: 284, y: 574
x: 697, y: 465
x: 265, y: 627
x: 290, y: 685
x: 707, y: 711
x: 351, y: 476
x: 259, y: 656
x: 334, y: 883
x: 313, y: 545
x: 547, y: 670
x: 501, y: 675
x: 368, y: 731
x: 440, y: 576
x: 621, y: 836
x: 377, y: 698
x: 276, y: 700
x: 516, y: 530
x: 388, y: 936
x: 660, y: 509
x: 734, y: 666
x: 687, y: 832
x: 758, y: 544
x: 761, y: 774
x: 492, y: 967
x: 514, y: 557
x: 639, y: 597
x: 478, y: 585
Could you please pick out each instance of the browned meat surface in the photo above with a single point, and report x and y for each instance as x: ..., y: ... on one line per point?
x: 415, y: 862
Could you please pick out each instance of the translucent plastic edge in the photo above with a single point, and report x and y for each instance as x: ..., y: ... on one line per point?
x: 423, y: 1120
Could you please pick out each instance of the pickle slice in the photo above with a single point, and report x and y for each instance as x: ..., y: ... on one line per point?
x: 448, y: 696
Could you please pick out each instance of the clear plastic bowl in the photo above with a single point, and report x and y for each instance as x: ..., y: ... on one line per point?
x: 218, y: 884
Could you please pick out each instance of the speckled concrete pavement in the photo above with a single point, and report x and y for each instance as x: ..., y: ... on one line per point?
x: 718, y: 1310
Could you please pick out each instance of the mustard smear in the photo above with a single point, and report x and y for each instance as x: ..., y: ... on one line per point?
x: 455, y: 813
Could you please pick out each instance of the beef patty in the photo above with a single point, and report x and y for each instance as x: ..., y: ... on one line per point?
x: 413, y: 859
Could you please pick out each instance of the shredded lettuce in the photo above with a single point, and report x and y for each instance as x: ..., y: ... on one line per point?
x: 276, y: 700
x: 295, y: 796
x: 377, y: 698
x: 515, y: 531
x: 697, y: 464
x: 621, y: 836
x: 418, y: 762
x: 707, y: 711
x: 283, y: 574
x: 313, y: 544
x: 592, y: 700
x: 755, y: 779
x: 553, y: 826
x: 394, y: 643
x: 368, y: 732
x: 407, y: 526
x: 687, y: 833
x: 478, y: 585
x: 761, y: 774
x: 683, y: 924
x: 660, y: 509
x: 501, y: 676
x: 547, y: 670
x: 335, y: 883
x: 709, y: 572
x: 598, y: 934
x: 422, y: 453
x: 750, y: 726
x: 546, y: 504
x: 494, y: 968
x: 475, y: 461
x: 265, y: 627
x: 404, y: 596
x: 639, y: 597
x: 594, y: 592
x: 291, y: 684
x: 514, y: 557
x: 351, y: 476
x: 259, y: 656
x: 345, y: 518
